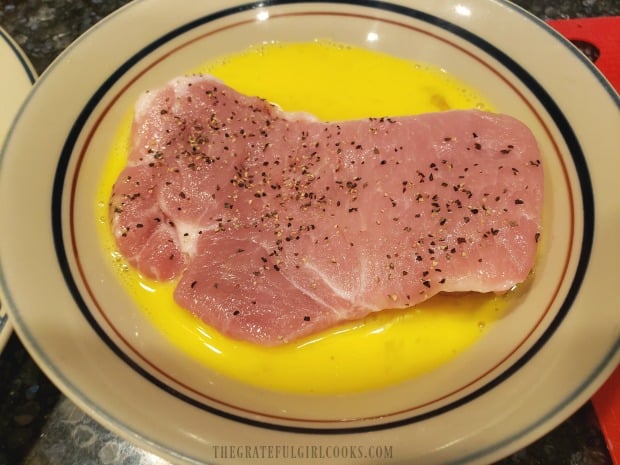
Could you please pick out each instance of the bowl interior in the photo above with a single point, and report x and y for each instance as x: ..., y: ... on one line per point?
x: 113, y: 311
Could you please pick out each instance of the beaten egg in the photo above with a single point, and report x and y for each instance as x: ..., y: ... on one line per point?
x: 334, y: 82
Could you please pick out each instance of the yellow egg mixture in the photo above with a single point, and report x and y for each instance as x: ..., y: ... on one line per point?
x: 333, y: 82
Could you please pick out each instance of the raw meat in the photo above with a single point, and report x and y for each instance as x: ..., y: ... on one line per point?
x: 278, y: 226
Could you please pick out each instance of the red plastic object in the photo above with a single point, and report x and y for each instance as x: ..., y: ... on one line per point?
x: 604, y: 34
x: 606, y: 403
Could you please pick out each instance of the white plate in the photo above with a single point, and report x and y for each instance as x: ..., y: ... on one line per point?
x: 17, y: 77
x: 537, y: 365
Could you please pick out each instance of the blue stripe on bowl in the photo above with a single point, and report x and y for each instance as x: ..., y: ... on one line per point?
x: 20, y: 56
x: 4, y: 318
x: 534, y: 86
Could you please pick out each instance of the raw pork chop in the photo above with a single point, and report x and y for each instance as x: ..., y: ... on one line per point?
x: 278, y: 225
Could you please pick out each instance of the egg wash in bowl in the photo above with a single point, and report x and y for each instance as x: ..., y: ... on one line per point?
x: 333, y: 82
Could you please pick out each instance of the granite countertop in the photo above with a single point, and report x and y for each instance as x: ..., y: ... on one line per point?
x: 40, y: 426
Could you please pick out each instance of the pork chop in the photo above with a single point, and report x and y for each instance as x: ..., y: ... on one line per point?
x: 277, y: 225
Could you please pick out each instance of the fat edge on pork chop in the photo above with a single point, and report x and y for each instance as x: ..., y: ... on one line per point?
x: 277, y: 225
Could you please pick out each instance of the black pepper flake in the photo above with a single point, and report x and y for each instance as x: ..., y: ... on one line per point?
x: 537, y: 236
x: 427, y: 283
x: 193, y: 284
x: 461, y: 240
x: 519, y: 202
x: 236, y: 312
x: 306, y: 318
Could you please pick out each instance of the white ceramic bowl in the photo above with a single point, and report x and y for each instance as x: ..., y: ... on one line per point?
x: 17, y: 78
x: 536, y: 366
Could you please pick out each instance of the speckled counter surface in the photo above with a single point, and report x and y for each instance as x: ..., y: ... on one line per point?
x: 40, y: 426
